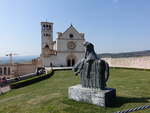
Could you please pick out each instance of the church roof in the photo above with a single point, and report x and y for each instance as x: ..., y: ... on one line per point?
x: 71, y: 27
x: 71, y: 30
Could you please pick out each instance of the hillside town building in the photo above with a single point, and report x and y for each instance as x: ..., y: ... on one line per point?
x: 17, y: 69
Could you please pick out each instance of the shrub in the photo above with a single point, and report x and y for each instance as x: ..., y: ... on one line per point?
x: 32, y: 80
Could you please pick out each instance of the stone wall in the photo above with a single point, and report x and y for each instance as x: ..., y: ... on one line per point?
x: 130, y: 62
x: 22, y: 69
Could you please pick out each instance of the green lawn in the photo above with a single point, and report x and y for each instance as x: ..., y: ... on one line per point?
x: 50, y: 96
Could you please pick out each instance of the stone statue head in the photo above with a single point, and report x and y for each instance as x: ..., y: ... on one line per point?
x: 89, y: 46
x: 89, y: 51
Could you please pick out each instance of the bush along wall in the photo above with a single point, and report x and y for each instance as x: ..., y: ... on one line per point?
x: 3, y: 84
x: 32, y: 80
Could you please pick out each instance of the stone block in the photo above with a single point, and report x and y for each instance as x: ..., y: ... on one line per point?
x: 4, y: 89
x: 104, y: 98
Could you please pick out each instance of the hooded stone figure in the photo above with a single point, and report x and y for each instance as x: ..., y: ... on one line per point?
x: 93, y: 71
x: 90, y: 56
x: 90, y: 52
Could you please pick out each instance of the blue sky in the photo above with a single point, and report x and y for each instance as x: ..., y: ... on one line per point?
x: 112, y: 25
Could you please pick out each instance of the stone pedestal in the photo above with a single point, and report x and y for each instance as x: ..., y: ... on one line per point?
x: 104, y: 98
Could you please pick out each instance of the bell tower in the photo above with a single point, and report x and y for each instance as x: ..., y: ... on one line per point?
x: 46, y: 36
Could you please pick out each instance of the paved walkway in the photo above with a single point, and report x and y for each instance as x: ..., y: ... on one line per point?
x: 58, y: 68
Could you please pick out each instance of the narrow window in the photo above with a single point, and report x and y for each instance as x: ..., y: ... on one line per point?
x: 71, y: 35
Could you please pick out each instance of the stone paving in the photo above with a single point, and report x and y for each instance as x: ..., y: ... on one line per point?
x: 58, y: 68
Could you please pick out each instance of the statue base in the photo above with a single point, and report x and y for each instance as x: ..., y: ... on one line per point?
x: 104, y: 98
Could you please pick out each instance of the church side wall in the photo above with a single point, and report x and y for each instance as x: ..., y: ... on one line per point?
x: 131, y: 62
x: 47, y: 60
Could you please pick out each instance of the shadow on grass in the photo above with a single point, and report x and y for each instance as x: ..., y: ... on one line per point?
x: 81, y: 107
x: 119, y: 101
x: 123, y: 100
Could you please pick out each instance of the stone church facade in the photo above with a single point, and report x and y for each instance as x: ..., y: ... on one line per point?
x: 66, y: 50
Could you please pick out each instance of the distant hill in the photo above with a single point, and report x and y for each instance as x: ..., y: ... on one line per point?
x: 17, y: 59
x: 126, y: 54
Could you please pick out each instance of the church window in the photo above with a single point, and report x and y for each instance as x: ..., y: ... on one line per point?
x: 71, y: 35
x: 50, y: 27
x: 43, y: 27
x: 71, y: 45
x: 0, y: 71
x: 8, y: 70
x: 5, y: 71
x: 46, y: 46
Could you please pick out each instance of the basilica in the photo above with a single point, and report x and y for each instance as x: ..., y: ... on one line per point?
x: 66, y: 50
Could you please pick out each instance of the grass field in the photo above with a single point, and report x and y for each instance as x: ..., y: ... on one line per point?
x: 50, y: 96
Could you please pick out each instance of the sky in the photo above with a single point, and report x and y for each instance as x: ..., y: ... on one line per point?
x: 111, y: 25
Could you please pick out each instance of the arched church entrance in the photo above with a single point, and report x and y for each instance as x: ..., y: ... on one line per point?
x: 71, y: 60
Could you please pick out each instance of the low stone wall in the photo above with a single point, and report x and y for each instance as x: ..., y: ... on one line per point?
x: 130, y: 62
x: 9, y: 71
x: 22, y: 69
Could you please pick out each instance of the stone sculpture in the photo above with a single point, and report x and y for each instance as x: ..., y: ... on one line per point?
x: 93, y: 71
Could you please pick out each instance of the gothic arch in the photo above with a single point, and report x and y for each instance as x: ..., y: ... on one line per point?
x: 46, y: 46
x: 71, y: 60
x: 5, y: 70
x: 9, y: 71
